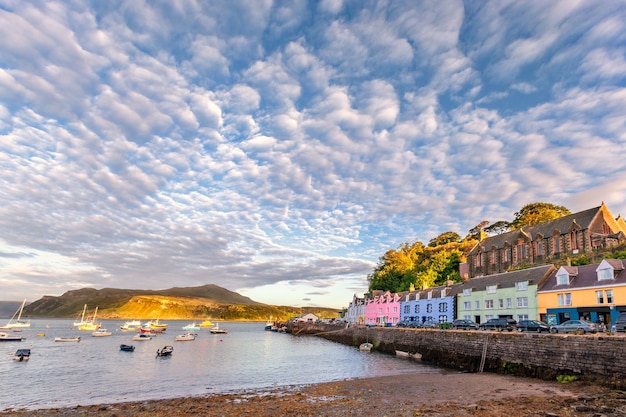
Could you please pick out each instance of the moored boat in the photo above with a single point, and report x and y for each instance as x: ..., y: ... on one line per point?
x: 156, y: 324
x: 18, y: 323
x: 206, y: 323
x: 101, y: 332
x: 130, y: 326
x: 366, y: 347
x: 67, y: 339
x: 165, y: 351
x: 216, y: 329
x: 5, y: 337
x: 90, y: 325
x: 269, y: 324
x: 191, y: 326
x: 127, y: 348
x: 21, y: 355
x: 185, y: 337
x: 141, y: 337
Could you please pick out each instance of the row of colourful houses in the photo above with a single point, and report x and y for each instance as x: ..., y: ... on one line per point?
x: 536, y: 290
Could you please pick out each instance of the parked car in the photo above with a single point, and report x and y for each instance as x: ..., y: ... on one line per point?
x: 429, y: 324
x: 403, y: 323
x: 462, y: 324
x: 574, y: 326
x: 532, y: 326
x: 499, y: 324
x: 620, y: 323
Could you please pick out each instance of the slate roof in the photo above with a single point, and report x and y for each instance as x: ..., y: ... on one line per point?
x: 562, y: 224
x: 586, y: 276
x: 534, y: 276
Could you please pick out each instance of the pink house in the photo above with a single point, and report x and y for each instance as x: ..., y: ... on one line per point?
x: 382, y: 310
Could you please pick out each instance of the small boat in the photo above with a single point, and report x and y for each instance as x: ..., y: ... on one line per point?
x: 366, y: 347
x: 165, y: 351
x: 19, y: 323
x: 21, y: 355
x: 67, y: 339
x: 5, y: 337
x: 206, y: 323
x: 141, y: 337
x: 404, y: 354
x: 155, y: 324
x: 127, y: 348
x: 130, y: 326
x: 185, y: 337
x: 191, y: 326
x: 82, y: 318
x: 216, y: 329
x: 269, y: 324
x: 101, y: 332
x: 90, y: 325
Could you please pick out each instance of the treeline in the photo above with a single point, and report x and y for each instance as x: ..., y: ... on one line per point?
x: 417, y: 266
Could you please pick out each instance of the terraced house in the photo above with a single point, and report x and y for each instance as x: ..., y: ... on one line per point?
x: 433, y: 304
x: 575, y: 234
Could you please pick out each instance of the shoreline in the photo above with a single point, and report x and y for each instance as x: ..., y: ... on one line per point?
x: 440, y: 394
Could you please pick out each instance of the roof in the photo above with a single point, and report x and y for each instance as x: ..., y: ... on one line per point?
x: 586, y: 276
x: 562, y: 224
x: 534, y: 276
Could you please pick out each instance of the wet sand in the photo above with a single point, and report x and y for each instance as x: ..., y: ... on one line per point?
x: 442, y: 395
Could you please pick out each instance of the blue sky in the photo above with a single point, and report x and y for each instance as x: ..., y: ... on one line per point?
x: 278, y: 149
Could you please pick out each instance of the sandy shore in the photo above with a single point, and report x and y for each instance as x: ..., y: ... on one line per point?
x: 447, y: 394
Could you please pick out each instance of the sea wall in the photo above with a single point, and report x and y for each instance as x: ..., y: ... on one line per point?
x: 596, y: 358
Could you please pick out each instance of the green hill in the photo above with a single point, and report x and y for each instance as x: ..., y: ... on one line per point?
x: 208, y: 301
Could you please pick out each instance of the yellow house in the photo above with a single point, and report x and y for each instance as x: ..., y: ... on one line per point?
x: 596, y: 293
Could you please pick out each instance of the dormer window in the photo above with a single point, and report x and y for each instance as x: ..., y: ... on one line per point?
x: 562, y: 278
x: 430, y: 295
x: 491, y: 289
x: 605, y: 271
x: 521, y: 285
x: 467, y: 292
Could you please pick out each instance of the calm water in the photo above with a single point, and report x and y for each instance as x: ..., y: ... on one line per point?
x: 95, y: 371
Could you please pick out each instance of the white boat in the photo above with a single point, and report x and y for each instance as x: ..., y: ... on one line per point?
x: 404, y: 354
x: 366, y: 347
x: 90, y: 325
x: 269, y: 324
x: 67, y: 339
x: 185, y: 337
x: 191, y: 326
x: 101, y: 332
x: 131, y: 326
x: 216, y: 329
x: 141, y: 337
x: 82, y: 318
x: 19, y: 323
x: 5, y: 337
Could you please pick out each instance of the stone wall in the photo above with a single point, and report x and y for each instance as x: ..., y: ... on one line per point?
x: 597, y: 358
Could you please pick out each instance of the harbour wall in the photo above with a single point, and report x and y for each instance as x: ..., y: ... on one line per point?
x: 595, y: 358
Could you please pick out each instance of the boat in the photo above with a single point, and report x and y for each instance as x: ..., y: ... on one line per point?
x: 5, y: 337
x: 127, y: 348
x: 269, y: 324
x: 82, y: 318
x: 67, y: 339
x: 90, y: 325
x: 21, y: 355
x: 365, y: 347
x: 216, y: 329
x: 18, y: 323
x: 185, y: 337
x: 130, y: 326
x: 141, y: 337
x: 155, y: 324
x: 165, y: 351
x: 404, y: 354
x: 191, y: 326
x: 101, y: 332
x: 206, y: 323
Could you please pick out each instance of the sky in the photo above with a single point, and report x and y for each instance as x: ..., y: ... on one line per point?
x: 279, y: 148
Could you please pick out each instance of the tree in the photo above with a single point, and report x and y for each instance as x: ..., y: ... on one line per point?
x: 445, y: 237
x: 536, y: 213
x: 498, y: 227
x: 474, y: 232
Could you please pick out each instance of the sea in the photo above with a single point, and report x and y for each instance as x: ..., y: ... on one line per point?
x: 247, y: 358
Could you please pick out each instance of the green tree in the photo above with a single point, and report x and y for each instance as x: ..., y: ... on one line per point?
x: 498, y: 227
x: 536, y: 213
x: 445, y: 237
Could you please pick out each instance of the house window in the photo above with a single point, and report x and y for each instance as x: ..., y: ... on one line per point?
x: 429, y: 308
x: 604, y: 274
x: 491, y: 289
x: 522, y: 302
x: 540, y: 248
x: 574, y: 240
x: 600, y: 297
x: 443, y: 307
x: 500, y: 303
x: 565, y: 299
x: 562, y: 278
x: 506, y: 255
x: 521, y: 286
x: 492, y: 257
x: 467, y: 292
x: 521, y: 251
x: 395, y: 309
x: 467, y: 305
x: 509, y: 303
x: 417, y: 308
x: 556, y: 243
x: 380, y: 311
x: 430, y: 295
x: 443, y: 319
x: 489, y: 304
x: 609, y: 296
x: 477, y: 304
x: 407, y: 309
x: 479, y: 259
x: 521, y: 317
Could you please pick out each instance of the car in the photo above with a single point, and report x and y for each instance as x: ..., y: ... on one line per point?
x: 403, y: 323
x: 620, y: 323
x: 499, y: 324
x: 574, y: 326
x: 532, y: 326
x: 429, y: 324
x: 462, y: 324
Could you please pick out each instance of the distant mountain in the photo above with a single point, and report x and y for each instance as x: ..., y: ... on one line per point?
x: 207, y: 301
x: 8, y: 308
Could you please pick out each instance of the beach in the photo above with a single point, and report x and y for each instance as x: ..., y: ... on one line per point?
x: 442, y: 395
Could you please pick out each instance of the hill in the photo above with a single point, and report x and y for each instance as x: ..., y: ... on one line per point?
x: 208, y: 301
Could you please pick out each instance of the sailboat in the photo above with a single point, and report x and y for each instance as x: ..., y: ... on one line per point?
x: 19, y: 323
x: 90, y: 325
x: 82, y: 318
